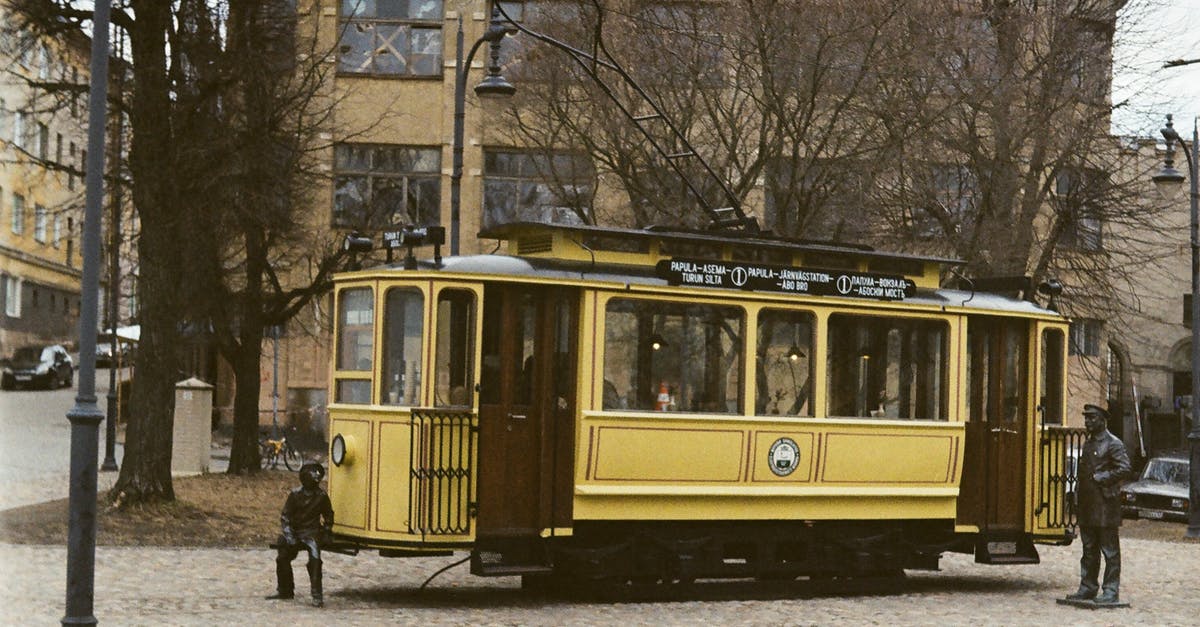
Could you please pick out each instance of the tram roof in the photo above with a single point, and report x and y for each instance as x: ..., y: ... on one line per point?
x: 716, y: 240
x: 574, y: 271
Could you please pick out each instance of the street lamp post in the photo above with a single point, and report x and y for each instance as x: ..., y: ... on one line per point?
x: 492, y: 85
x: 1168, y: 180
x: 85, y: 416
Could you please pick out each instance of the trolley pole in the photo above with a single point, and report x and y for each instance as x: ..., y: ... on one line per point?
x: 85, y: 416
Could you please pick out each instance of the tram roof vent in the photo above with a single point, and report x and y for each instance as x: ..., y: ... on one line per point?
x: 535, y: 244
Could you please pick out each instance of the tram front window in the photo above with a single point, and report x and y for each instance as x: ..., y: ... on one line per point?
x: 662, y: 356
x: 356, y: 343
x: 784, y: 360
x: 455, y: 335
x: 403, y: 325
x: 887, y: 367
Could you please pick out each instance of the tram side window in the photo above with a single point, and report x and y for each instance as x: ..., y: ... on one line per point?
x: 455, y: 346
x: 887, y: 367
x: 672, y: 357
x: 403, y: 325
x: 784, y: 364
x: 1052, y: 376
x: 356, y: 343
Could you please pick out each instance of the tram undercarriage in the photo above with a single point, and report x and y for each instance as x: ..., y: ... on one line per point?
x: 685, y: 551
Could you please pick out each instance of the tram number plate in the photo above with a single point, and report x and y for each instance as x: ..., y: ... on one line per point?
x: 24, y: 377
x: 1154, y: 515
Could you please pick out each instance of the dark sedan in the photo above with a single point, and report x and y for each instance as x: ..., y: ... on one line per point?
x: 38, y: 366
x: 1161, y: 492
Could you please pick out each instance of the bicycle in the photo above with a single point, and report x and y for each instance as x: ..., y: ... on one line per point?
x: 272, y: 451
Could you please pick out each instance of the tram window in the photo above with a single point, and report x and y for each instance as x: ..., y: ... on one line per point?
x: 356, y: 329
x: 672, y: 357
x: 1052, y: 372
x: 887, y: 367
x: 455, y: 346
x: 783, y: 363
x: 403, y: 325
x: 357, y: 391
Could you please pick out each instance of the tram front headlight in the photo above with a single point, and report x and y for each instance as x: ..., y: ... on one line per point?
x: 341, y: 450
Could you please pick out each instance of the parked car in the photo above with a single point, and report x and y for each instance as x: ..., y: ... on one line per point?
x: 47, y: 366
x: 1161, y: 492
x: 104, y: 354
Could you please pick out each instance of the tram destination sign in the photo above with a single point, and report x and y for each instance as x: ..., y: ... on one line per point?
x: 787, y: 279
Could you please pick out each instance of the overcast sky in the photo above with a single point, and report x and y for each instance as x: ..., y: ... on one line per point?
x: 1150, y: 33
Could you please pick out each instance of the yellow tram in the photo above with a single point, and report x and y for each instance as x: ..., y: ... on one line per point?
x: 668, y: 405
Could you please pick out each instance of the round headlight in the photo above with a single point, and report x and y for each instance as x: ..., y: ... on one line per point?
x: 339, y: 450
x: 1179, y: 503
x: 1128, y: 496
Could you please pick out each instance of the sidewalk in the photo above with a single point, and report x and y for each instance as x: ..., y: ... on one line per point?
x: 55, y: 486
x: 172, y: 586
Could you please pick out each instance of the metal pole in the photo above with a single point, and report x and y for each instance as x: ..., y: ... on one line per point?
x: 85, y: 416
x: 456, y: 148
x: 275, y: 381
x: 461, y: 69
x: 1193, y: 529
x: 114, y: 285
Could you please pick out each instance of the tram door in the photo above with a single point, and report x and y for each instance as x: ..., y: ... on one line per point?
x: 992, y: 491
x: 527, y: 410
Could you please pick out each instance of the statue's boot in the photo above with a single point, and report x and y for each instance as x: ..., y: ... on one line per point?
x: 286, y: 585
x: 314, y: 580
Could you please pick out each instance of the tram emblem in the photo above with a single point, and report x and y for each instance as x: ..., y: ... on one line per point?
x: 783, y: 457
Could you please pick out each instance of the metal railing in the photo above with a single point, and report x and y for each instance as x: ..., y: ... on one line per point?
x: 1059, y: 450
x: 441, y: 463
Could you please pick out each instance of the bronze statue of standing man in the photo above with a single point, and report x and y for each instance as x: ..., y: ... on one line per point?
x: 1103, y: 465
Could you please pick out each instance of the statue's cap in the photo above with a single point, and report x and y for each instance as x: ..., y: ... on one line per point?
x: 1095, y: 409
x: 315, y: 467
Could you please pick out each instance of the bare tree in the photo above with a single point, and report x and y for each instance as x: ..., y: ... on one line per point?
x: 224, y: 123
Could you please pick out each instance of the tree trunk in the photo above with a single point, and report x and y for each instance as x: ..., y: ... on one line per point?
x: 244, y: 454
x: 146, y: 467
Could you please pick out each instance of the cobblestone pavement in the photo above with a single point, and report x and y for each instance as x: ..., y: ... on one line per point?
x: 160, y: 586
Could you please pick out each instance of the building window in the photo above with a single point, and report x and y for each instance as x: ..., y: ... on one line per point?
x: 39, y: 223
x: 58, y: 148
x: 43, y: 139
x: 1085, y: 337
x: 74, y: 94
x: 71, y: 169
x: 391, y: 37
x: 553, y: 188
x: 57, y: 231
x: 18, y: 214
x: 43, y: 63
x: 379, y: 185
x: 1075, y: 201
x: 19, y: 130
x: 12, y: 297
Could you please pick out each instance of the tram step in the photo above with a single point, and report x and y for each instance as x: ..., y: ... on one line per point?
x: 1006, y: 550
x: 502, y: 570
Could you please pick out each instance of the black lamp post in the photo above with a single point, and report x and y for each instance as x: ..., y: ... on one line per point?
x: 492, y: 85
x: 1169, y: 180
x: 85, y: 416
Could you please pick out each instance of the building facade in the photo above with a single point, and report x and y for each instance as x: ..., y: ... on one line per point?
x: 391, y: 156
x: 42, y: 156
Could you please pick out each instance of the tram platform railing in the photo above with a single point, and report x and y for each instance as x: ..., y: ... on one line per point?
x: 441, y: 464
x: 1059, y: 450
